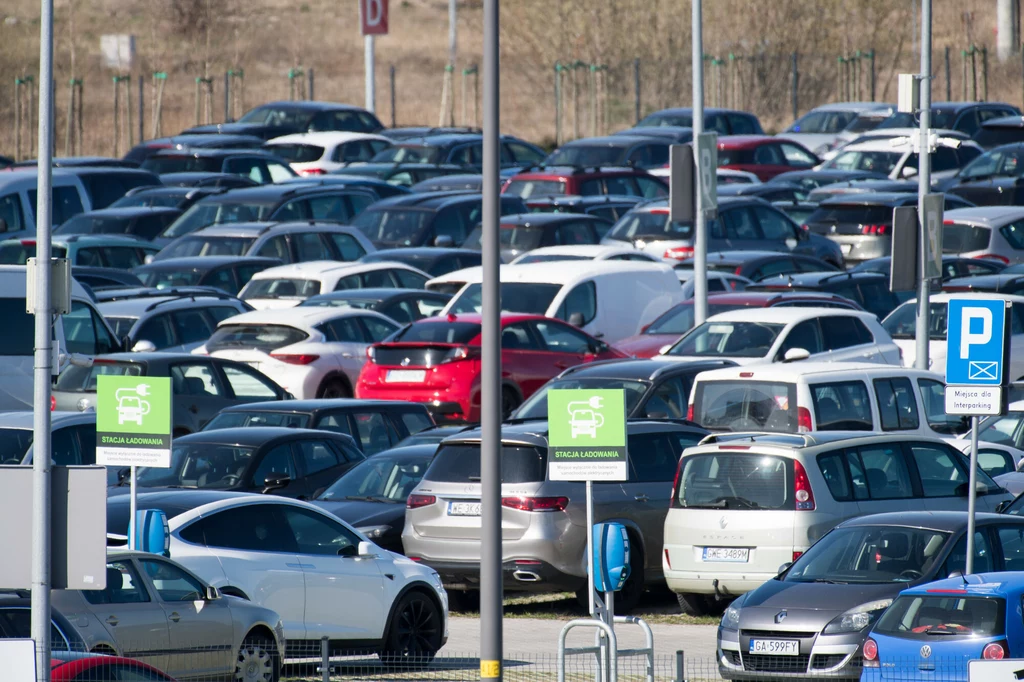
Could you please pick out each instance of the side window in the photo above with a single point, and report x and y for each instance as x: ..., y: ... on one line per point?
x: 247, y: 384
x: 358, y: 203
x: 316, y: 534
x: 933, y: 394
x: 84, y: 332
x: 195, y: 379
x: 896, y: 404
x: 276, y: 247
x: 252, y: 527
x: 876, y: 298
x: 377, y: 329
x: 451, y: 221
x: 944, y: 159
x: 797, y: 157
x: 938, y: 469
x: 884, y: 472
x: 348, y: 248
x: 592, y: 187
x: 124, y: 586
x: 806, y: 335
x: 575, y: 233
x: 67, y: 203
x: 408, y: 279
x: 995, y: 462
x: 842, y: 406
x: 245, y: 273
x: 561, y: 338
x: 650, y: 189
x: 346, y: 330
x: 64, y: 450
x: 716, y: 124
x: 620, y: 185
x: 843, y: 332
x: 278, y: 171
x: 1011, y: 539
x: 741, y: 125
x: 337, y: 422
x: 219, y: 313
x: 741, y: 224
x: 983, y: 559
x: 123, y: 258
x: 156, y: 330
x: 309, y: 247
x: 773, y: 225
x: 582, y: 299
x: 653, y: 458
x: 328, y: 208
x: 171, y: 583
x: 968, y: 122
x: 776, y: 266
x: 316, y: 456
x: 670, y: 397
x: 833, y: 470
x: 223, y: 279
x: 278, y: 462
x: 415, y: 421
x: 191, y: 326
x: 12, y: 218
x: 769, y: 155
x: 517, y: 337
x: 373, y: 432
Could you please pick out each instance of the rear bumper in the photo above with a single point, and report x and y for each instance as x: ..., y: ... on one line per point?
x: 704, y: 582
x: 857, y: 248
x: 517, y: 575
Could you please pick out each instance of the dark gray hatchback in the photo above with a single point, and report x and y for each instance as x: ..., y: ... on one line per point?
x: 811, y: 619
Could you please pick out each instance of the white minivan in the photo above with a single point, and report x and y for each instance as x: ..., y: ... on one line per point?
x: 83, y: 333
x: 823, y: 396
x: 610, y: 300
x: 18, y: 200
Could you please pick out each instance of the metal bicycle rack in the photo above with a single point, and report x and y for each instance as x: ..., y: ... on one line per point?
x: 606, y: 650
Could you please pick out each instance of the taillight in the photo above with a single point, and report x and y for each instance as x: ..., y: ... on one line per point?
x: 870, y: 653
x: 312, y: 171
x: 28, y: 242
x: 995, y: 256
x: 371, y: 353
x: 996, y: 651
x: 673, y: 502
x: 295, y: 358
x: 679, y: 253
x: 417, y: 501
x: 802, y: 488
x: 53, y: 404
x: 536, y: 504
x: 805, y: 227
x: 738, y: 270
x: 803, y: 420
x: 668, y: 560
x: 874, y: 229
x: 689, y: 412
x: 797, y: 554
x: 460, y: 353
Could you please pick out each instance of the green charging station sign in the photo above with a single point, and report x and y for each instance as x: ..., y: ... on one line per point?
x: 586, y: 435
x: 133, y: 421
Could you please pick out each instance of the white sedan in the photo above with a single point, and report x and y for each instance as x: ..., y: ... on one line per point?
x: 323, y: 152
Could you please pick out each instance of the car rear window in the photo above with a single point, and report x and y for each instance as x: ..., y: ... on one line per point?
x: 297, y: 153
x: 959, y: 237
x: 265, y: 337
x: 534, y: 188
x: 941, y: 617
x: 746, y: 405
x: 461, y: 464
x: 439, y: 332
x: 281, y: 288
x: 736, y: 480
x: 19, y: 339
x: 852, y: 213
x: 83, y: 379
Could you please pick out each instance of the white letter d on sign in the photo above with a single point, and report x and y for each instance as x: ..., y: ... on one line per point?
x: 967, y: 339
x: 374, y: 12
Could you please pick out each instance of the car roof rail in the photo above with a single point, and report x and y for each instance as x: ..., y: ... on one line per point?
x: 191, y: 297
x: 845, y: 273
x: 782, y: 439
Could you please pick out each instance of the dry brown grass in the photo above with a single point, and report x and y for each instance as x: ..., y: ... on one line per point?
x: 268, y: 37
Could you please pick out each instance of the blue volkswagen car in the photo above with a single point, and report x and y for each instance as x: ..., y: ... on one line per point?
x: 931, y: 631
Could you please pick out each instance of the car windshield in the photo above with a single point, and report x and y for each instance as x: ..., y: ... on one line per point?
x: 237, y: 419
x: 385, y: 477
x: 87, y: 224
x: 962, y: 237
x: 949, y: 615
x: 1007, y: 162
x: 870, y: 554
x: 287, y: 288
x: 534, y: 188
x: 1001, y: 429
x: 587, y: 155
x: 940, y: 118
x: 663, y: 120
x: 165, y: 279
x: 200, y: 465
x: 83, y: 379
x: 263, y: 337
x: 536, y: 406
x: 409, y: 153
x: 901, y: 323
x: 203, y: 215
x: 516, y: 237
x: 735, y: 480
x: 394, y: 226
x: 653, y: 224
x: 875, y: 161
x: 729, y: 339
x: 516, y: 297
x: 160, y: 164
x: 14, y: 445
x: 278, y: 117
x: 745, y: 405
x: 296, y: 152
x: 207, y: 245
x: 121, y: 325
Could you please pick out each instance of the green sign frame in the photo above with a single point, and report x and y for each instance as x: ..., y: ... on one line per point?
x: 587, y: 435
x: 133, y: 421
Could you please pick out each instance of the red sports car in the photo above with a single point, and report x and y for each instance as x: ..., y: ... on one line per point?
x: 436, y: 361
x: 81, y: 667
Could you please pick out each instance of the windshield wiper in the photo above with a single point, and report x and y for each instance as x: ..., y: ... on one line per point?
x: 945, y: 632
x: 367, y: 498
x: 726, y: 503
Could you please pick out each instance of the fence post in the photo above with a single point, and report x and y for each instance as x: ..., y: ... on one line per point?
x: 636, y: 89
x: 142, y: 107
x: 558, y: 104
x: 592, y: 84
x: 680, y: 666
x: 17, y: 119
x: 227, y: 95
x: 32, y: 114
x: 974, y: 74
x: 473, y: 71
x: 325, y: 659
x: 128, y: 109
x: 197, y: 96
x: 949, y: 84
x: 117, y: 118
x: 963, y: 54
x: 391, y: 79
x: 576, y: 99
x: 874, y: 83
x: 839, y: 79
x: 310, y: 80
x: 78, y: 117
x: 984, y: 74
x: 159, y: 79
x: 794, y: 86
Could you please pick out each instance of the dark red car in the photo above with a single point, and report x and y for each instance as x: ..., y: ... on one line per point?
x: 436, y: 361
x: 678, y: 319
x: 558, y: 180
x: 72, y: 667
x: 763, y: 156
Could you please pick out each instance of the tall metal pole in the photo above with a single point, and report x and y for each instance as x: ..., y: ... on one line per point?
x: 453, y: 17
x: 371, y: 88
x: 40, y: 627
x: 700, y: 237
x: 972, y: 482
x: 490, y: 380
x: 636, y: 89
x: 924, y: 181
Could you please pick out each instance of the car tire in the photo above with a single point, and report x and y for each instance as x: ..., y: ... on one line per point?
x: 333, y: 388
x: 415, y: 633
x: 509, y: 402
x: 694, y: 604
x: 257, y: 660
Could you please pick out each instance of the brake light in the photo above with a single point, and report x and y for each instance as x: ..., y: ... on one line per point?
x: 536, y: 504
x: 995, y: 256
x: 295, y: 358
x: 460, y: 353
x: 689, y: 412
x: 416, y: 501
x: 312, y: 171
x: 803, y: 420
x: 797, y: 554
x: 870, y: 653
x: 53, y: 404
x: 746, y: 375
x: 679, y: 253
x: 996, y: 651
x: 802, y: 488
x: 28, y: 242
x: 371, y: 353
x: 668, y: 560
x: 874, y: 229
x: 805, y: 227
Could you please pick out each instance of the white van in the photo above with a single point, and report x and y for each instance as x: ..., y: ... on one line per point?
x: 18, y: 200
x: 82, y: 333
x: 610, y: 300
x: 823, y: 396
x: 746, y: 505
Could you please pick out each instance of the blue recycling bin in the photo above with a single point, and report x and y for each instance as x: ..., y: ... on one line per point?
x: 611, y: 556
x: 153, y: 534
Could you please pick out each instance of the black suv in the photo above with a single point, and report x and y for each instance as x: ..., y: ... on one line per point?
x: 254, y: 164
x: 275, y: 119
x: 460, y: 149
x: 106, y: 185
x: 869, y: 289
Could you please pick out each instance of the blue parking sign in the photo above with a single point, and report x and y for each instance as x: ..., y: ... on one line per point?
x: 975, y: 342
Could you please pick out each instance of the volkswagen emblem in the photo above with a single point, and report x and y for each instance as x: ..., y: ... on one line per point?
x: 722, y: 523
x: 926, y: 651
x: 781, y: 616
x: 405, y: 362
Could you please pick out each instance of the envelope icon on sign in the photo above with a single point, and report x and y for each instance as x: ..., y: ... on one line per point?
x: 982, y: 370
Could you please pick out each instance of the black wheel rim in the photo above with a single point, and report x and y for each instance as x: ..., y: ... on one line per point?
x: 508, y: 404
x: 416, y: 630
x: 334, y: 391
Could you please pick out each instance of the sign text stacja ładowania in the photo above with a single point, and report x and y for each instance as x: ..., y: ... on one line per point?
x: 977, y: 347
x: 586, y: 435
x: 133, y: 421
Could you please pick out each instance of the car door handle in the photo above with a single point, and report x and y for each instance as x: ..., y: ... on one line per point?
x: 174, y: 617
x: 641, y: 498
x: 112, y: 620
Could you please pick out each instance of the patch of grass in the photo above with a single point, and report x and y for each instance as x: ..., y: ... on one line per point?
x: 655, y: 607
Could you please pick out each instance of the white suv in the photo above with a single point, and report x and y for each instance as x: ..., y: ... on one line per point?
x: 310, y: 352
x: 288, y: 285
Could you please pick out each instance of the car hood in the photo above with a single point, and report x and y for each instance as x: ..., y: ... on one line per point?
x: 359, y: 513
x: 818, y: 603
x: 645, y: 345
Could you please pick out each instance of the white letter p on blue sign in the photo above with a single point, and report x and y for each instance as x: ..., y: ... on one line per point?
x: 969, y: 338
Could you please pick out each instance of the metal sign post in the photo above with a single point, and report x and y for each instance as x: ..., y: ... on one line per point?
x: 133, y: 427
x: 700, y: 237
x: 977, y: 354
x: 373, y: 19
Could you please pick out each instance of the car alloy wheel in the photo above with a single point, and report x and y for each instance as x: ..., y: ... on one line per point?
x: 256, y: 661
x: 415, y: 634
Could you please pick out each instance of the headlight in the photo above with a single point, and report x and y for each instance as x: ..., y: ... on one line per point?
x: 731, y: 618
x: 857, y: 618
x: 374, y: 532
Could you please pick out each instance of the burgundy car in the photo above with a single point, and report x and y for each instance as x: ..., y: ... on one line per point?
x: 763, y: 156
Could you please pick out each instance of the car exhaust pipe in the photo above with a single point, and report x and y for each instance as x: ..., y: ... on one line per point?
x: 526, y: 576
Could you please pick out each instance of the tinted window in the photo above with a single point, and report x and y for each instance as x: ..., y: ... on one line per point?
x: 123, y: 586
x: 19, y: 333
x: 84, y: 332
x: 842, y: 406
x: 583, y: 300
x: 66, y: 203
x: 254, y: 527
x: 317, y: 534
x: 941, y: 474
x: 879, y: 472
x: 373, y: 433
x: 316, y: 456
x: 461, y: 464
x: 833, y: 470
x: 12, y: 218
x: 171, y: 582
x: 191, y: 326
x: 277, y: 462
x: 933, y: 393
x: 652, y: 458
x: 347, y: 246
x: 247, y: 384
x: 843, y: 332
x: 669, y: 399
x: 415, y: 421
x: 806, y: 335
x: 562, y: 338
x: 896, y: 404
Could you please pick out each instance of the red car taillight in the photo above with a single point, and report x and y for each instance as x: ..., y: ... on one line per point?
x: 417, y: 501
x: 797, y: 554
x: 802, y: 492
x: 803, y: 420
x: 312, y: 171
x: 995, y: 256
x: 689, y: 412
x: 995, y: 651
x: 53, y: 404
x: 461, y: 353
x: 874, y: 229
x: 870, y: 653
x: 673, y: 502
x: 295, y: 358
x: 679, y: 253
x: 536, y: 504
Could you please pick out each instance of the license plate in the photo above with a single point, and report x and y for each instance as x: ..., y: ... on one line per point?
x: 463, y: 509
x: 406, y: 375
x: 738, y: 555
x: 775, y: 647
x: 846, y: 248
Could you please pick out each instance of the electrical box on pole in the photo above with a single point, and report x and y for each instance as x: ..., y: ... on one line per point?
x: 908, y: 98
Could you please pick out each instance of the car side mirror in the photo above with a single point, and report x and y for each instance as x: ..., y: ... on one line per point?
x: 784, y: 567
x: 576, y: 319
x: 275, y: 482
x: 144, y: 346
x: 123, y: 474
x: 956, y: 574
x: 211, y: 593
x: 909, y: 172
x: 444, y: 241
x: 367, y: 549
x: 1001, y: 507
x: 795, y: 354
x: 664, y: 349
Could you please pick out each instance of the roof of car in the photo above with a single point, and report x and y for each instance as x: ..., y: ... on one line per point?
x: 980, y: 295
x: 577, y: 200
x: 134, y: 307
x: 311, y: 406
x: 804, y: 279
x: 777, y: 371
x: 991, y: 216
x: 23, y: 419
x: 586, y: 250
x: 154, y: 357
x: 1008, y: 584
x: 542, y: 172
x: 872, y: 199
x: 325, y: 137
x: 204, y: 263
x: 428, y: 200
x: 932, y: 520
x: 214, y: 152
x: 850, y: 106
x: 535, y: 431
x: 319, y: 268
x: 737, y: 257
x: 564, y: 273
x: 251, y: 435
x: 372, y: 294
x: 172, y: 502
x: 1004, y: 122
x: 543, y: 219
x: 272, y: 192
x: 253, y: 229
x: 641, y: 368
x: 725, y: 201
x: 785, y: 315
x: 707, y: 111
x: 417, y: 252
x: 129, y: 212
x: 308, y: 316
x: 622, y: 140
x: 766, y: 298
x: 746, y: 141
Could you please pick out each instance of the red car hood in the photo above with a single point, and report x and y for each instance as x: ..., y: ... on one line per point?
x: 645, y: 345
